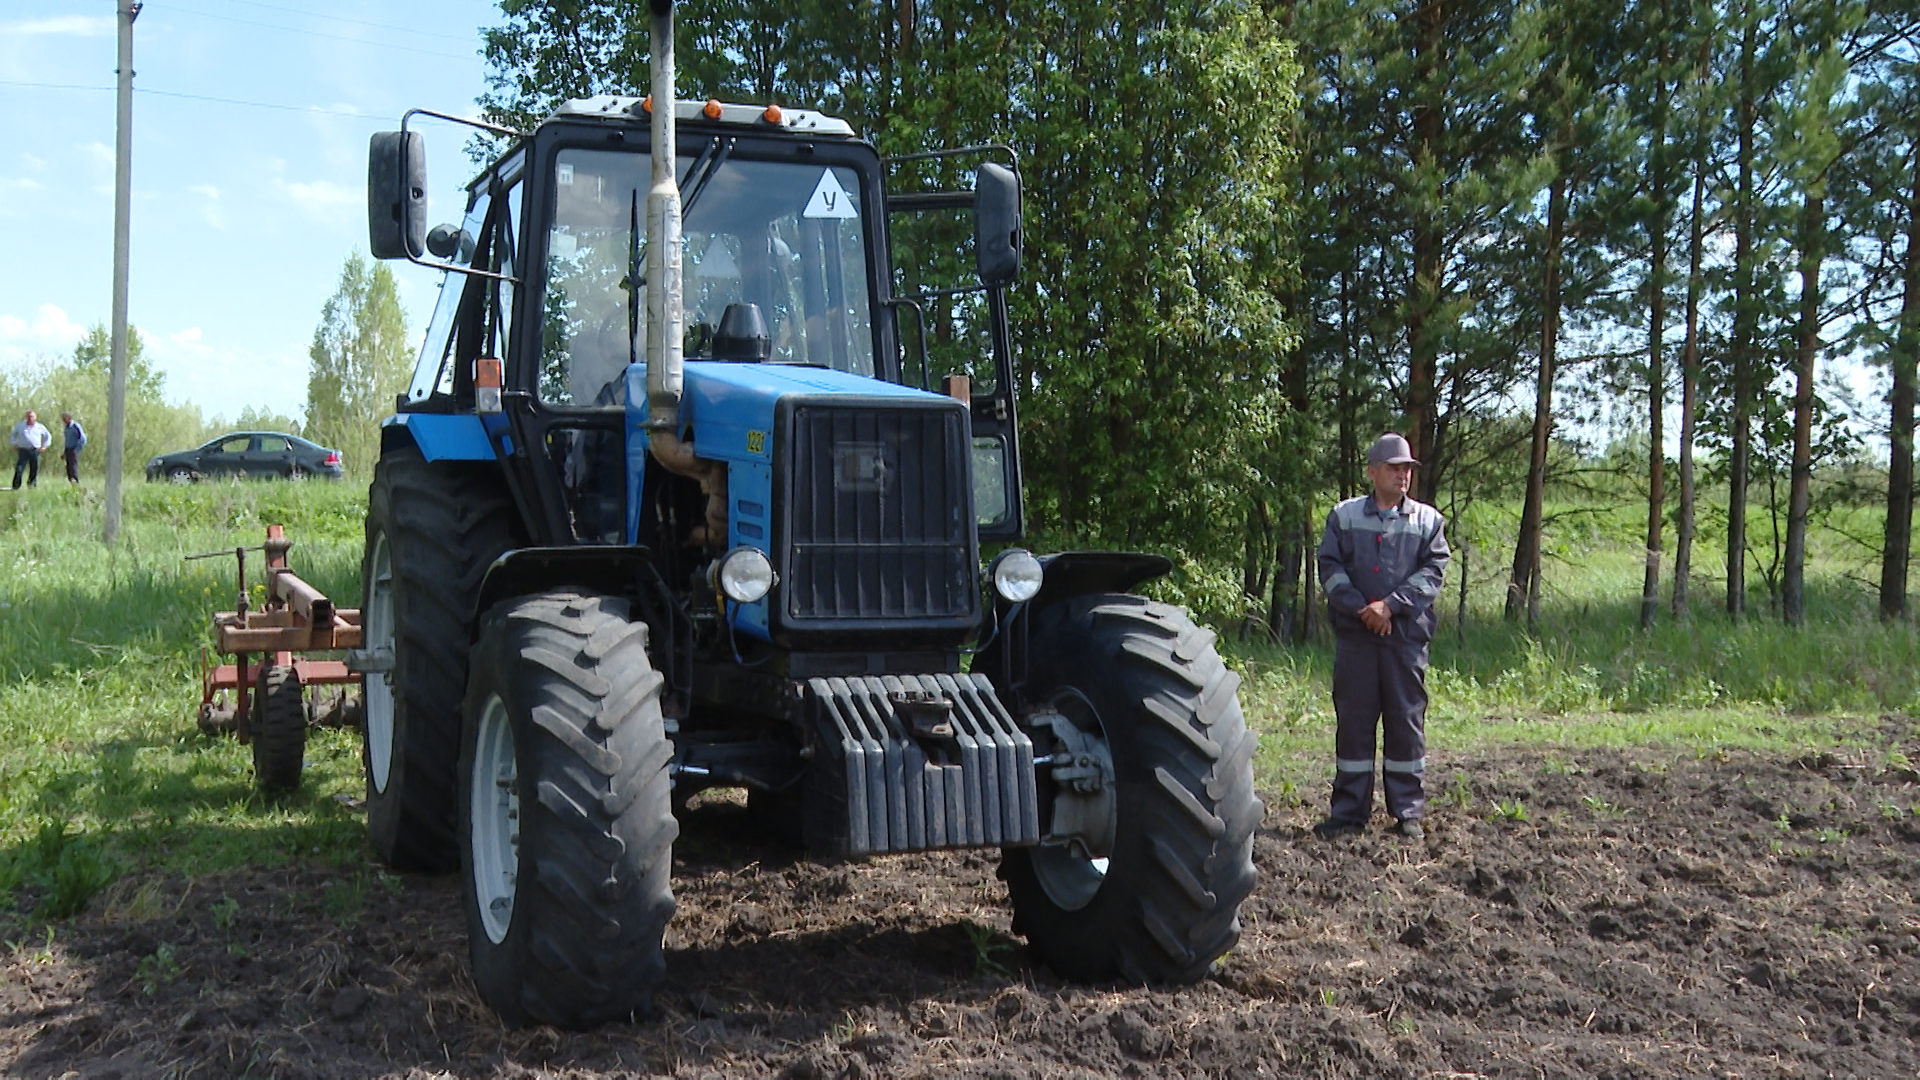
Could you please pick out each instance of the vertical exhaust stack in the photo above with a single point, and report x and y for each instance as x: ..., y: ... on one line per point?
x: 665, y: 312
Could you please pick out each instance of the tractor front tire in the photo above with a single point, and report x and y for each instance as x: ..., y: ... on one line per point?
x: 1164, y: 903
x: 433, y: 528
x: 279, y: 729
x: 567, y: 827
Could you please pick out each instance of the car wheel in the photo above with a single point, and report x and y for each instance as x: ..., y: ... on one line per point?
x: 180, y: 474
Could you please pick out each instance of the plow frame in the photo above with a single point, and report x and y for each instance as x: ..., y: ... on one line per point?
x: 296, y: 618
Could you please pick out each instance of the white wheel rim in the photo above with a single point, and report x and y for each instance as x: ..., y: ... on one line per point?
x: 494, y: 815
x: 377, y: 621
x: 180, y: 476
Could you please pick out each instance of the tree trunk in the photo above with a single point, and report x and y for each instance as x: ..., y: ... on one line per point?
x: 1524, y: 584
x: 1741, y: 348
x: 1656, y: 358
x: 1894, y: 553
x: 1348, y: 471
x: 1793, y: 595
x: 1423, y: 337
x: 1689, y: 394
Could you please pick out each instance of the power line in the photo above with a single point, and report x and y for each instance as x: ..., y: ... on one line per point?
x: 52, y: 86
x: 259, y: 104
x: 356, y: 22
x: 202, y: 97
x: 319, y: 34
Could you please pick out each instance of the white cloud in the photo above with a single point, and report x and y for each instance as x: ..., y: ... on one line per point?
x: 49, y: 331
x: 324, y: 194
x: 222, y: 379
x: 207, y: 190
x: 65, y: 25
x: 32, y: 162
x: 100, y: 152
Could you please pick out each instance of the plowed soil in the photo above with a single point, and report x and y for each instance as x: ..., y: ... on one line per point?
x: 1652, y: 914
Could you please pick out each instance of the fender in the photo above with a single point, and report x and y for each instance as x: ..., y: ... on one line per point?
x: 1069, y: 574
x: 440, y: 436
x: 613, y: 571
x: 1077, y: 573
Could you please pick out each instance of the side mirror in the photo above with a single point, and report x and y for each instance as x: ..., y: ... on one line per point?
x: 397, y: 195
x: 996, y: 224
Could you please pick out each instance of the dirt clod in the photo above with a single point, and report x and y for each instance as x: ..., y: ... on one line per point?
x: 1659, y: 914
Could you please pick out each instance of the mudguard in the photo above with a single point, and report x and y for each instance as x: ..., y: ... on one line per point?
x: 610, y: 571
x: 1068, y: 574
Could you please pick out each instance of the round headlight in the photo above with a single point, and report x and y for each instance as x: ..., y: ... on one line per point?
x: 1016, y: 575
x: 745, y: 575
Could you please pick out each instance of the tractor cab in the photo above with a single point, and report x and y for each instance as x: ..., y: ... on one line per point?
x: 785, y: 261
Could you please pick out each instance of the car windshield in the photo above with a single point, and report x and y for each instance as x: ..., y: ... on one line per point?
x: 784, y: 236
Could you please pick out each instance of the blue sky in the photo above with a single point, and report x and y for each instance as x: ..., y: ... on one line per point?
x: 242, y: 213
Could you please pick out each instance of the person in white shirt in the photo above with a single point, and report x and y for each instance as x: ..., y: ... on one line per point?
x: 30, y: 439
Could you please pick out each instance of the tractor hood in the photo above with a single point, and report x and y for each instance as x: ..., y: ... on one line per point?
x: 729, y: 407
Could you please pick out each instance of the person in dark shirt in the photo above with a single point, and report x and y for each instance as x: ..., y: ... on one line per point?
x: 73, y: 438
x: 1382, y: 560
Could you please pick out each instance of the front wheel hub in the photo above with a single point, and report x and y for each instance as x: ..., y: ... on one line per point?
x: 1072, y: 860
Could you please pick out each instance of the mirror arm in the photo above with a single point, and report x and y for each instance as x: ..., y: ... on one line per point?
x: 454, y: 268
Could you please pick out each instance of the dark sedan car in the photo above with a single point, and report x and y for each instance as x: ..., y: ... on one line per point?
x: 249, y: 454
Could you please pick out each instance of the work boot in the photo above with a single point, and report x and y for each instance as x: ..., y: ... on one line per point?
x: 1409, y: 828
x: 1335, y: 828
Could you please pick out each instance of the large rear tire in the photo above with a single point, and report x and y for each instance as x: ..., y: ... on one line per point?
x: 1164, y: 903
x: 567, y: 835
x: 279, y: 729
x: 433, y: 528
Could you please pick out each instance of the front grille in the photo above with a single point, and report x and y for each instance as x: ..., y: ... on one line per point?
x: 877, y: 510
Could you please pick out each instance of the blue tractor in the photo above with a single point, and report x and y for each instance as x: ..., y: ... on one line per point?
x: 663, y: 510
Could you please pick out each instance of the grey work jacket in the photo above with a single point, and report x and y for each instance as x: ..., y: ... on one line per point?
x: 1397, y: 555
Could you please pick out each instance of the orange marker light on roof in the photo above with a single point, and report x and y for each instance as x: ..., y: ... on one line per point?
x: 646, y: 103
x: 712, y: 109
x: 773, y: 115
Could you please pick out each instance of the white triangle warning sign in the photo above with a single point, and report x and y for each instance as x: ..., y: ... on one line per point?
x: 830, y: 200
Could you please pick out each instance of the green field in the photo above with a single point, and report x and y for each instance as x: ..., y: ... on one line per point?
x: 103, y: 773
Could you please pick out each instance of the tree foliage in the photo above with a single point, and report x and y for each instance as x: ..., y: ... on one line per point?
x: 1259, y: 233
x: 78, y: 384
x: 360, y: 361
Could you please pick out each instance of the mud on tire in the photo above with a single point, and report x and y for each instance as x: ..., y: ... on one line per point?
x: 1167, y: 903
x: 433, y: 528
x: 279, y: 729
x: 567, y: 827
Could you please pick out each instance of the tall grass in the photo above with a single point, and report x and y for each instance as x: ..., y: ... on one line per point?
x: 103, y: 771
x: 102, y: 768
x: 1587, y: 673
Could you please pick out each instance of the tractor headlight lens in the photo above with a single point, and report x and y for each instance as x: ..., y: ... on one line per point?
x: 745, y: 575
x: 1016, y: 575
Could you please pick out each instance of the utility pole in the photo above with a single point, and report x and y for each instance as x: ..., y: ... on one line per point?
x: 122, y: 223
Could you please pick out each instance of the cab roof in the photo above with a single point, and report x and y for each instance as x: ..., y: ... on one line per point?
x: 764, y: 117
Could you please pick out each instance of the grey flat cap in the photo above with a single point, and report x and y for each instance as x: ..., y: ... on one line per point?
x: 1391, y: 449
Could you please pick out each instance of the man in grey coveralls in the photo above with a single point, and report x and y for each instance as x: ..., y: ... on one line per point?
x: 1382, y: 559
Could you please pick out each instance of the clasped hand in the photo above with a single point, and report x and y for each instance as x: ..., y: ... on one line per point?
x: 1377, y: 618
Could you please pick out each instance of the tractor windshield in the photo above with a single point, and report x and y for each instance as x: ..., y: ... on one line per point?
x: 784, y: 236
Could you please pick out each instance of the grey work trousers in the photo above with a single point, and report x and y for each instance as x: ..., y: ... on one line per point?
x: 1379, y: 682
